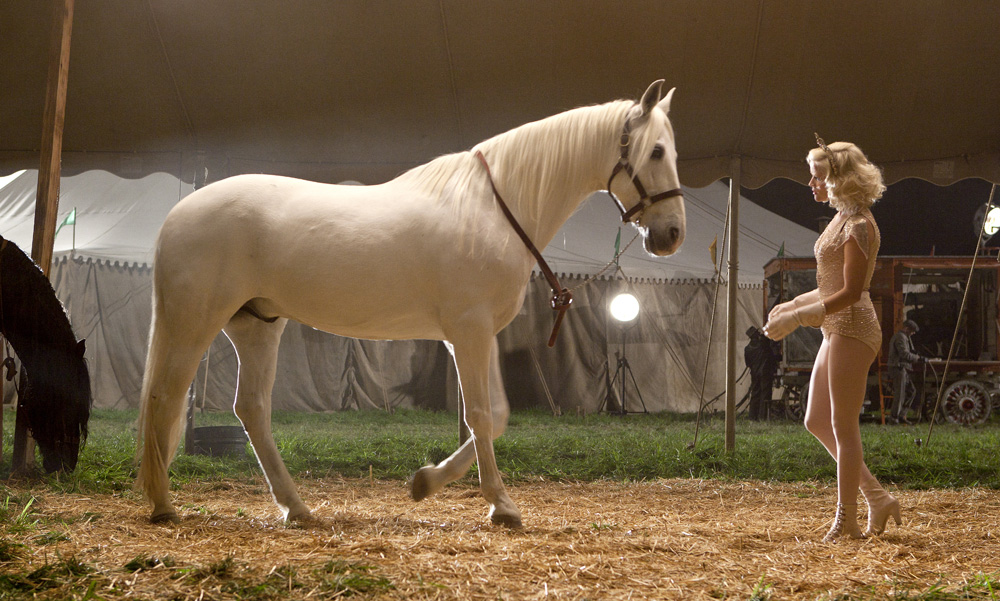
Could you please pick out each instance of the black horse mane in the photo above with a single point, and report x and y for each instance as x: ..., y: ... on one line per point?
x: 57, y: 398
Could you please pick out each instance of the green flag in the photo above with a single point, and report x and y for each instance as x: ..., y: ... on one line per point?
x: 781, y: 251
x: 618, y: 241
x: 70, y: 220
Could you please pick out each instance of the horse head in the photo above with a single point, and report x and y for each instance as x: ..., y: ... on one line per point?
x: 654, y: 202
x: 58, y: 401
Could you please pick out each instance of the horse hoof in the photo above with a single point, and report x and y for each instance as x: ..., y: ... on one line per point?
x: 510, y: 521
x: 301, y: 518
x: 420, y: 485
x: 165, y: 518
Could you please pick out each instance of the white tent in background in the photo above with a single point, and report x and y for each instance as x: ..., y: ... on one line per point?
x: 101, y: 272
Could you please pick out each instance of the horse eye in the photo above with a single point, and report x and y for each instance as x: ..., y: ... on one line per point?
x: 657, y: 153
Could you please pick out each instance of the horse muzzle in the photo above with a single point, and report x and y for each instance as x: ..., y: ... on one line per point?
x: 665, y: 227
x: 665, y: 241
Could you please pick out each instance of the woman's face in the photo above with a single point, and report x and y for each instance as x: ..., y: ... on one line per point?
x: 818, y: 182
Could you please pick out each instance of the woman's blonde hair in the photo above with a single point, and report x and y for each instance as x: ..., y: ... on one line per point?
x: 852, y: 181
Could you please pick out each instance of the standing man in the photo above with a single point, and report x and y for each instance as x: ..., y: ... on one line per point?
x: 759, y: 355
x: 901, y: 360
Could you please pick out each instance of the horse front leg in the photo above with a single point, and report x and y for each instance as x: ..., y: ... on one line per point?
x: 256, y: 345
x: 430, y: 479
x: 472, y: 357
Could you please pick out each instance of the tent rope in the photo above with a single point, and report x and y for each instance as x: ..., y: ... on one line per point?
x: 958, y: 321
x: 711, y: 331
x: 614, y: 261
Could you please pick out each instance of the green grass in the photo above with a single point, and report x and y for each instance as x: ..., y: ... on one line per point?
x: 536, y: 444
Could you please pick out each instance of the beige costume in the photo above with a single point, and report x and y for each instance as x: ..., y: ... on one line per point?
x: 859, y: 320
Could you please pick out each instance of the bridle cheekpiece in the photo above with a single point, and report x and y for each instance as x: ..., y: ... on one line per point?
x: 645, y: 200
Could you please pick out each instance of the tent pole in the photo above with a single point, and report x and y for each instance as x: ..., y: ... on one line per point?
x: 47, y: 200
x: 733, y: 287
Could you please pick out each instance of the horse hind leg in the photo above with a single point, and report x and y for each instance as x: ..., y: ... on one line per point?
x: 473, y: 359
x: 170, y: 367
x: 256, y: 343
x: 430, y: 479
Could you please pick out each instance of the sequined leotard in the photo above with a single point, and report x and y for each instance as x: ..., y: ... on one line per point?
x: 859, y: 320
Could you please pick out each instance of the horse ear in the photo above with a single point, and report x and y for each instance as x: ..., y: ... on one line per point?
x: 665, y: 103
x: 81, y: 347
x: 651, y: 97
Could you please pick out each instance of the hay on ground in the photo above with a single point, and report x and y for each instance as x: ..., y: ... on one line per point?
x: 669, y: 539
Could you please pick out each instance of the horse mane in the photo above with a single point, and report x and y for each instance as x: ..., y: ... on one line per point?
x: 530, y: 160
x: 32, y: 309
x: 538, y: 161
x: 58, y: 397
x: 529, y: 163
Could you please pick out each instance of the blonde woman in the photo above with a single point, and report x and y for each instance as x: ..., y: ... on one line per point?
x: 841, y: 307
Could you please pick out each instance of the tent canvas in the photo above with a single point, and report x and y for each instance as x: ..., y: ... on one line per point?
x: 105, y: 283
x: 351, y: 90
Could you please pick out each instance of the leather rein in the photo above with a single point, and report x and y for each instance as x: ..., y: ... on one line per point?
x: 562, y: 298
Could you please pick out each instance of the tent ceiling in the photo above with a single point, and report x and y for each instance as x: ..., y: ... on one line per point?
x: 362, y: 90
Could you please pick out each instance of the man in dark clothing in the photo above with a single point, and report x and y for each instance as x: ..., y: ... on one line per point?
x: 901, y: 360
x: 762, y: 360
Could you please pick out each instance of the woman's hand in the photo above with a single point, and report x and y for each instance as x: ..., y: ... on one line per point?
x: 781, y: 308
x: 806, y: 298
x: 785, y: 322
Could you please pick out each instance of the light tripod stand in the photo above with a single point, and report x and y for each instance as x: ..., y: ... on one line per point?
x: 622, y: 376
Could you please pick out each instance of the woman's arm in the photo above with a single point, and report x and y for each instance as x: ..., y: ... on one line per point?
x: 855, y: 269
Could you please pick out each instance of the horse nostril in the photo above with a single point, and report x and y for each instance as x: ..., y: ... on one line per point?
x: 675, y: 234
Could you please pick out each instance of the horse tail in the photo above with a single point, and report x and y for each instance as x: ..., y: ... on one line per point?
x: 145, y: 409
x: 160, y: 423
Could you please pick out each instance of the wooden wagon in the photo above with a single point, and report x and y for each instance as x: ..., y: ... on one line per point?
x: 928, y: 290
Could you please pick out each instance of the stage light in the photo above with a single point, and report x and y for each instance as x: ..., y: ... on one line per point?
x: 624, y: 307
x: 992, y: 216
x: 992, y: 221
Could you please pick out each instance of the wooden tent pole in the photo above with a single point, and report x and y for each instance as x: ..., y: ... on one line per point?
x: 733, y: 289
x: 47, y: 199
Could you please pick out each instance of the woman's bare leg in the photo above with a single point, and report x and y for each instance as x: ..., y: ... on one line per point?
x: 836, y: 393
x: 848, y: 361
x: 819, y: 417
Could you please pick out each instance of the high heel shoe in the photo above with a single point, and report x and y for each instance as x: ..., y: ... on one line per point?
x: 879, y: 513
x: 845, y: 524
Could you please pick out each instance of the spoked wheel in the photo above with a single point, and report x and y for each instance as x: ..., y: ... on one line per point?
x: 966, y: 402
x: 794, y: 400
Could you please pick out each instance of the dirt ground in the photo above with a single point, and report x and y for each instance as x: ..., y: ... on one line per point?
x: 669, y: 539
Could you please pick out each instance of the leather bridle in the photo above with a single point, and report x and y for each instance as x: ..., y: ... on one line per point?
x: 562, y: 298
x: 645, y: 200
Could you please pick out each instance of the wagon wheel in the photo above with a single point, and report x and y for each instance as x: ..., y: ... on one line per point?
x: 793, y: 398
x: 966, y: 402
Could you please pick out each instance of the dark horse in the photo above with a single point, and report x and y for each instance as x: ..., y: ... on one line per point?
x: 56, y: 398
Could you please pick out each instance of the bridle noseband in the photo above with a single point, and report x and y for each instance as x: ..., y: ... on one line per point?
x: 645, y: 200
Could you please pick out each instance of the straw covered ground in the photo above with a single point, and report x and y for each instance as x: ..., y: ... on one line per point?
x: 668, y: 539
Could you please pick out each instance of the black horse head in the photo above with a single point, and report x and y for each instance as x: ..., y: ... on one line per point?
x: 56, y: 398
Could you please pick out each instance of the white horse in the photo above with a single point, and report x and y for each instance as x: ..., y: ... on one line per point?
x: 428, y: 255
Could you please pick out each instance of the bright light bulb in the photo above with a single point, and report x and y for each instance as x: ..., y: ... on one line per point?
x: 624, y: 307
x: 992, y: 221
